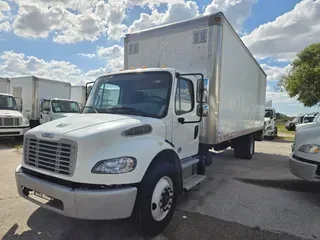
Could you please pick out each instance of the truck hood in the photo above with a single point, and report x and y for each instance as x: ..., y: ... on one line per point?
x: 82, y: 125
x: 62, y: 115
x: 306, y: 126
x: 9, y: 113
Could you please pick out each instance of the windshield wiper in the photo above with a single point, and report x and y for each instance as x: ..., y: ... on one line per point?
x: 91, y: 108
x: 129, y: 110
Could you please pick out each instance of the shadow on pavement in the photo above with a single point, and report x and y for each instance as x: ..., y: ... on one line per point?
x: 7, y: 143
x: 47, y: 225
x: 295, y: 185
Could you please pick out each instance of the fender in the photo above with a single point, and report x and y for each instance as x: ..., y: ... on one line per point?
x: 144, y: 148
x: 169, y: 155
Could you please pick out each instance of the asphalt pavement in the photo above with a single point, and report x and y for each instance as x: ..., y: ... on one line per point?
x: 241, y: 199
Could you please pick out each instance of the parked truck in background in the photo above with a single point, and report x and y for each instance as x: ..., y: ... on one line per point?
x: 12, y: 122
x: 43, y: 99
x: 4, y: 85
x: 270, y: 117
x: 145, y: 135
x: 78, y: 93
x: 305, y: 157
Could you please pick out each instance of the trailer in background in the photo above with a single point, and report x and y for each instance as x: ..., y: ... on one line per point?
x: 37, y: 94
x: 78, y: 93
x: 4, y: 85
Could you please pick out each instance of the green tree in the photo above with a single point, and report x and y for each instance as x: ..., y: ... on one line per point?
x: 303, y: 81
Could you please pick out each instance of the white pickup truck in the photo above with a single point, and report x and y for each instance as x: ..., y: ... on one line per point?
x: 305, y: 157
x: 270, y: 117
x: 12, y: 122
x: 145, y: 135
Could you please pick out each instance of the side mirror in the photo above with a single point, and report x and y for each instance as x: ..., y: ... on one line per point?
x: 277, y: 115
x: 89, y: 86
x: 204, y: 111
x: 41, y: 107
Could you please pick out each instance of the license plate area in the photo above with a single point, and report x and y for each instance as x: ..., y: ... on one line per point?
x: 43, y: 198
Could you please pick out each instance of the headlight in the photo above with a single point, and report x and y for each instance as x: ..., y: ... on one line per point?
x: 310, y: 148
x: 115, y: 166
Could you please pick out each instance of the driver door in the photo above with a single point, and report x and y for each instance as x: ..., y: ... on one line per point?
x: 185, y: 136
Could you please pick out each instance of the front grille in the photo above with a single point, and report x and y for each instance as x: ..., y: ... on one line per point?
x: 9, y: 122
x: 54, y: 156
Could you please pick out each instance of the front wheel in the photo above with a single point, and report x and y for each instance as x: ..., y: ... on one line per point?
x: 156, y: 200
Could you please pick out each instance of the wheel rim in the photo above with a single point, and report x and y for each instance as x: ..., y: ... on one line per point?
x: 162, y: 198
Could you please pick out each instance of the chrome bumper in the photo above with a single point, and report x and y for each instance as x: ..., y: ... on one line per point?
x: 80, y: 203
x: 303, y: 170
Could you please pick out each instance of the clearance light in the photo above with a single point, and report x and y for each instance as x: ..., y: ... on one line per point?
x: 163, y: 66
x: 144, y: 67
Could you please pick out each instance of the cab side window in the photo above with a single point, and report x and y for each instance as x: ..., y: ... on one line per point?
x: 184, y: 102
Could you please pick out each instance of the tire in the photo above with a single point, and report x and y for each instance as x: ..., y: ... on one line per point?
x: 158, y: 184
x: 275, y: 132
x: 244, y: 147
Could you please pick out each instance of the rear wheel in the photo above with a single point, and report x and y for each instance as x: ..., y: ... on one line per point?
x: 156, y: 200
x: 244, y: 147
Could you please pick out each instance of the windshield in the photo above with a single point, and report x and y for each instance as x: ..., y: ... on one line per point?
x: 63, y: 106
x: 145, y: 94
x: 8, y: 102
x: 268, y: 114
x: 308, y: 119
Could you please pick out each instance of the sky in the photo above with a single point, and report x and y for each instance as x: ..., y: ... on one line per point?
x: 79, y: 40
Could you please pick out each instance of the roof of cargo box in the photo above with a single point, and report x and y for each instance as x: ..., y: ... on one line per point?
x: 43, y: 79
x: 208, y: 20
x: 205, y: 21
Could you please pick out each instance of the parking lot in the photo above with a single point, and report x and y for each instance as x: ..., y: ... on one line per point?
x: 241, y: 199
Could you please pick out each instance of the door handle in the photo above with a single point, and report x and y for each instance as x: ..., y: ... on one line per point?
x: 196, y: 132
x: 181, y: 120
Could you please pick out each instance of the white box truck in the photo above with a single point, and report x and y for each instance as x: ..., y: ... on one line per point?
x: 43, y: 99
x: 270, y: 128
x: 12, y: 122
x: 78, y: 94
x: 145, y: 135
x: 4, y: 85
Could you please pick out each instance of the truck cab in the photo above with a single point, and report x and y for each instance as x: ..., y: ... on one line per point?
x: 270, y: 129
x: 305, y: 160
x: 12, y: 122
x: 55, y: 108
x: 139, y: 133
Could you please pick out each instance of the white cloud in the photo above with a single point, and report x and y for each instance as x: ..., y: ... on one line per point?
x: 17, y: 64
x: 5, y: 26
x: 4, y: 9
x: 176, y: 12
x: 113, y: 55
x: 88, y: 55
x: 236, y: 11
x: 288, y: 34
x: 14, y: 64
x: 275, y: 73
x: 114, y: 51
